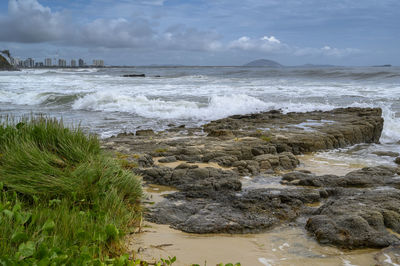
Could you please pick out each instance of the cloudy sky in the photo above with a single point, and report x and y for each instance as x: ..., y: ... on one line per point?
x: 204, y: 32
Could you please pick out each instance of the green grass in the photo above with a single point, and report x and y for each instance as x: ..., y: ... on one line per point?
x: 62, y: 199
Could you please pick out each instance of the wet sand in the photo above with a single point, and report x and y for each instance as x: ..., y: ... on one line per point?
x: 320, y: 165
x: 281, y: 246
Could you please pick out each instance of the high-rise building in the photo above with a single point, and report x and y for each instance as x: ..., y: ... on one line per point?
x: 29, y: 62
x: 81, y: 62
x: 98, y: 63
x: 15, y: 61
x: 73, y: 63
x: 62, y: 63
x: 47, y: 62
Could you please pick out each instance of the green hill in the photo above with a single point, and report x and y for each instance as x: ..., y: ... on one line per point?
x: 4, y: 64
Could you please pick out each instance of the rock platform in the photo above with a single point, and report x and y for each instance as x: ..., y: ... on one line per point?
x: 206, y: 165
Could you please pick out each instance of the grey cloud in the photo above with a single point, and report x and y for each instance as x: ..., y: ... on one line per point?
x: 30, y: 22
x: 116, y: 33
x: 181, y: 37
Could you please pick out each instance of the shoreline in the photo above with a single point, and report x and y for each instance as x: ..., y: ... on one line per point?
x: 256, y: 147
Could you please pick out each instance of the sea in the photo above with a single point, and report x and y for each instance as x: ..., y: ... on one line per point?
x: 105, y: 103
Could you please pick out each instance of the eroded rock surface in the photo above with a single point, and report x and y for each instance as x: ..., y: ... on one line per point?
x: 360, y: 209
x: 227, y: 212
x: 256, y: 143
x: 363, y: 209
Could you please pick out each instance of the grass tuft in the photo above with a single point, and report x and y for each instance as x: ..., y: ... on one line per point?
x: 62, y: 199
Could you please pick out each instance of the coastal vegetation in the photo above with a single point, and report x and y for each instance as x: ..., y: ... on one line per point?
x: 63, y: 200
x: 4, y: 64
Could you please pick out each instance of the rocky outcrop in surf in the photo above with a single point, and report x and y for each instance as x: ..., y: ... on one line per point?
x: 4, y: 64
x: 207, y: 165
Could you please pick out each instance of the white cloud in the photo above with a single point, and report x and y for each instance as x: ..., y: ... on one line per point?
x: 153, y: 2
x: 271, y: 39
x: 264, y: 44
x: 326, y: 51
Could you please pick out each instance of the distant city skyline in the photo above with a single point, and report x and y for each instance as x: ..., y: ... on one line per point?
x: 200, y: 32
x: 54, y: 62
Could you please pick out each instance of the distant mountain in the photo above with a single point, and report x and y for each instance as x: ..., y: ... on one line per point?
x: 313, y: 65
x: 388, y: 65
x: 263, y: 63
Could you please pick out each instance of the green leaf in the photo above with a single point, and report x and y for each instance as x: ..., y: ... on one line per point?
x: 44, y: 262
x: 26, y: 249
x: 42, y: 252
x: 17, y: 207
x: 8, y: 213
x: 20, y: 125
x: 49, y: 225
x: 112, y: 231
x: 100, y: 236
x: 82, y: 235
x: 1, y: 185
x: 172, y: 259
x: 25, y: 217
x: 54, y: 202
x: 60, y: 259
x: 18, y: 237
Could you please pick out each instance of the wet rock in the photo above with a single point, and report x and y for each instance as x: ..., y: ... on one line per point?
x: 125, y: 134
x: 247, y: 212
x: 145, y: 160
x: 386, y: 153
x: 346, y: 126
x: 190, y: 177
x: 134, y: 75
x: 358, y: 220
x: 397, y: 160
x: 226, y: 161
x: 365, y: 177
x: 145, y: 132
x: 186, y: 166
x: 223, y: 133
x: 168, y: 159
x: 357, y: 208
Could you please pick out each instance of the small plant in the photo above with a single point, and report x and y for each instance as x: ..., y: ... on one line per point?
x: 160, y: 150
x: 161, y: 262
x: 220, y: 264
x: 266, y: 138
x: 128, y: 164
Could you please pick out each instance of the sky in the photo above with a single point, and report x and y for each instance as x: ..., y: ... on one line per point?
x: 200, y: 32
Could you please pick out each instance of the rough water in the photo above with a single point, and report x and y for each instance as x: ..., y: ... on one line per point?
x: 106, y: 103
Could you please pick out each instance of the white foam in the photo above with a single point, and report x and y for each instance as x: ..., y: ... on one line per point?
x: 281, y: 247
x: 266, y: 262
x: 389, y: 260
x: 348, y: 263
x: 217, y: 107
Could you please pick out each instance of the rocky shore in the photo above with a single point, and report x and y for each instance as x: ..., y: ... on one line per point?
x: 207, y: 166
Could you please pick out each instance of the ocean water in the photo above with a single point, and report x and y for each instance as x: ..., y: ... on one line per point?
x: 106, y: 103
